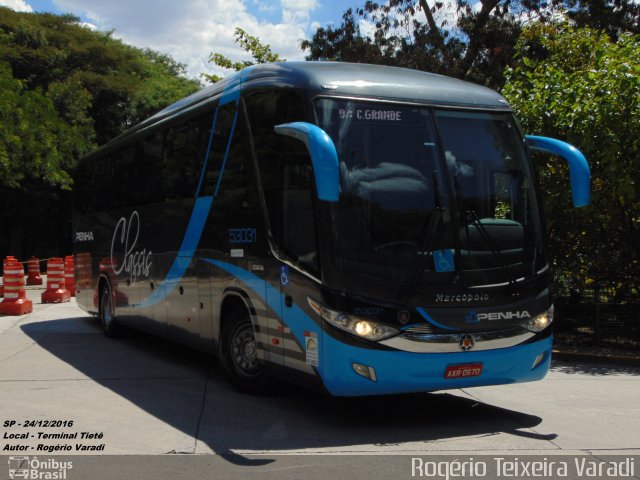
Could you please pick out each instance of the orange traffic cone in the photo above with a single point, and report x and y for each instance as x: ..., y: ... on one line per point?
x: 33, y: 272
x: 1, y: 284
x: 56, y: 291
x: 15, y: 299
x: 69, y: 275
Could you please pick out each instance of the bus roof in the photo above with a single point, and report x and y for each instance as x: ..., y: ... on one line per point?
x: 362, y: 80
x: 345, y: 79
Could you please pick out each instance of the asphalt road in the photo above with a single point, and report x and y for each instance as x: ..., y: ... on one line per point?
x: 170, y: 411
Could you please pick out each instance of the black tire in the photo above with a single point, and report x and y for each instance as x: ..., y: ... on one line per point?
x: 110, y: 325
x: 238, y: 354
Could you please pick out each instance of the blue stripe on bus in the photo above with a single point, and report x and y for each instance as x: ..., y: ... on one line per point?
x: 198, y: 219
x: 228, y: 95
x: 226, y: 153
x: 206, y: 157
x: 199, y: 216
x: 428, y: 318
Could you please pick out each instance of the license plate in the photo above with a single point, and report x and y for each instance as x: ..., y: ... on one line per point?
x: 463, y: 371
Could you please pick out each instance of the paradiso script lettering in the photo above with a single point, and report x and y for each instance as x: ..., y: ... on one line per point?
x: 136, y: 263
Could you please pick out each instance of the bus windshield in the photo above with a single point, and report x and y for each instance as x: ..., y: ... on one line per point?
x: 431, y: 195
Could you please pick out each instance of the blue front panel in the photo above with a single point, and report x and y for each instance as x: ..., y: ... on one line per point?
x: 404, y: 372
x: 396, y: 371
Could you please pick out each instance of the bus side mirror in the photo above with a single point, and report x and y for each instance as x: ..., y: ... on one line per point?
x: 578, y: 166
x: 323, y: 156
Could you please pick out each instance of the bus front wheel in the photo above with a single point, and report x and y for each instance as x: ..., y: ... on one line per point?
x: 239, y: 354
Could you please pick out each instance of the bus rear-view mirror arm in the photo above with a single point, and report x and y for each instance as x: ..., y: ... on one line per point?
x: 578, y: 166
x: 323, y: 156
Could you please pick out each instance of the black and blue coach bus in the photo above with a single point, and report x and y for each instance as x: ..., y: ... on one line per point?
x: 359, y: 229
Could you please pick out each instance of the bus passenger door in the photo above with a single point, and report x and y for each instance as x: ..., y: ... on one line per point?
x: 297, y: 239
x: 280, y: 161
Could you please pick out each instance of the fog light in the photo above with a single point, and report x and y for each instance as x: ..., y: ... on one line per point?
x: 539, y: 359
x: 365, y: 371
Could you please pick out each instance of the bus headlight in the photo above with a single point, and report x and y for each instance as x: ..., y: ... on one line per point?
x: 539, y: 322
x: 358, y: 326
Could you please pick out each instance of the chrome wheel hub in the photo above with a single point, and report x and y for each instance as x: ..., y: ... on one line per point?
x: 244, y: 352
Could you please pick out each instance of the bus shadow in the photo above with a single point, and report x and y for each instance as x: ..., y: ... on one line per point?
x: 602, y: 368
x: 186, y: 390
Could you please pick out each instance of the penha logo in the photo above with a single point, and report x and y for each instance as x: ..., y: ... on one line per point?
x: 471, y: 317
x: 504, y: 315
x: 136, y: 263
x: 84, y: 236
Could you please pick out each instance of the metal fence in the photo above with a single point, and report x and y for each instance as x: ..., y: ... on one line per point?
x: 597, y: 316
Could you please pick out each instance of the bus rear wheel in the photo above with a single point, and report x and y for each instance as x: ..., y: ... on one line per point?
x: 239, y: 355
x: 108, y: 321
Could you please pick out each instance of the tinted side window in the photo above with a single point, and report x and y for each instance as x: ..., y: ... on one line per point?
x: 185, y: 145
x: 222, y: 130
x: 148, y: 170
x: 297, y: 232
x: 164, y: 165
x: 236, y: 217
x: 121, y: 164
x: 101, y: 191
x: 286, y: 174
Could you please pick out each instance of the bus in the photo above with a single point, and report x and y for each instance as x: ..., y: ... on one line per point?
x: 357, y: 229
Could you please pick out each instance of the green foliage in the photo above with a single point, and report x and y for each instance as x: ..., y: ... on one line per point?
x: 613, y: 17
x: 478, y: 48
x: 119, y: 85
x: 420, y: 35
x: 36, y: 139
x: 162, y: 83
x: 580, y: 86
x: 64, y: 89
x: 260, y: 52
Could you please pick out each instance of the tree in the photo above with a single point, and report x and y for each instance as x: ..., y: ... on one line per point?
x: 613, y: 17
x: 163, y: 82
x: 581, y: 86
x: 449, y: 38
x: 260, y: 52
x: 36, y: 139
x: 469, y: 40
x: 54, y: 51
x: 64, y: 89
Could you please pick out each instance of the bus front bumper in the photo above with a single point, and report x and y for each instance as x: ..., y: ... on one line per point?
x: 397, y: 372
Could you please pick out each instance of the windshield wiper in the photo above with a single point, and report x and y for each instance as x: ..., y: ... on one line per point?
x: 427, y: 240
x: 488, y: 240
x: 491, y: 244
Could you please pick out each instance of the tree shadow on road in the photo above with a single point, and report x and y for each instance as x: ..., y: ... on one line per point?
x: 594, y: 369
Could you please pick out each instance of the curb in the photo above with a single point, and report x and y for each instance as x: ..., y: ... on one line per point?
x: 631, y: 360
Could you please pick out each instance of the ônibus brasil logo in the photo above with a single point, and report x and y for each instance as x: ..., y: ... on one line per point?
x: 35, y: 469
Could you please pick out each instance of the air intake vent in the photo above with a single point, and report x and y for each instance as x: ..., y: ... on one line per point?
x: 422, y: 328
